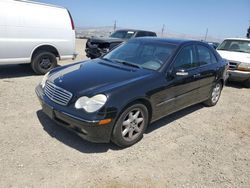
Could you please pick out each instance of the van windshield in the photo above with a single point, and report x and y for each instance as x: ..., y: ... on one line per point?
x: 235, y: 46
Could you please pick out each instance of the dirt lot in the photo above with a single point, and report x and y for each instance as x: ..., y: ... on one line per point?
x: 197, y: 147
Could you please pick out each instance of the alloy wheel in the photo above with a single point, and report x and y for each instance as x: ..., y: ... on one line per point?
x: 133, y: 124
x: 216, y: 93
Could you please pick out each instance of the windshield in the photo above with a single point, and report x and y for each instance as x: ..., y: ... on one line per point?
x: 149, y: 55
x: 122, y: 34
x: 235, y: 46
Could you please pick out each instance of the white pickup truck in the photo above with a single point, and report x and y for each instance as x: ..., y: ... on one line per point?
x: 237, y: 52
x: 36, y: 33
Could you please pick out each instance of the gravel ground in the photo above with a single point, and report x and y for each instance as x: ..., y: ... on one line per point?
x: 197, y: 147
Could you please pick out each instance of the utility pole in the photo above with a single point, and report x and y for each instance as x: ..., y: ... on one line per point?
x: 115, y: 26
x: 248, y: 31
x: 162, y: 30
x: 206, y: 35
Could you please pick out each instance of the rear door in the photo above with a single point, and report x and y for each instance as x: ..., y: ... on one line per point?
x: 186, y: 77
x: 209, y: 67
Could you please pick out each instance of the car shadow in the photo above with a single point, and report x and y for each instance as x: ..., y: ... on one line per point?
x: 237, y: 85
x: 173, y: 117
x: 15, y: 71
x: 71, y: 139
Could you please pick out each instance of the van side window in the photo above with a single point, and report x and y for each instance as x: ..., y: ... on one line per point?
x: 205, y: 56
x: 186, y: 58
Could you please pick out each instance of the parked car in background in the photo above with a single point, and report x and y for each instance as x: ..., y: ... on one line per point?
x: 35, y: 33
x: 97, y: 46
x: 237, y: 52
x: 214, y: 44
x: 144, y: 79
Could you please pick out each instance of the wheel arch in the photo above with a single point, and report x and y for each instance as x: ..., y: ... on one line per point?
x: 45, y: 47
x: 222, y: 81
x: 141, y: 100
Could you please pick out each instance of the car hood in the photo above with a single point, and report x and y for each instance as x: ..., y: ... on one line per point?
x: 235, y: 56
x: 105, y: 40
x: 91, y: 77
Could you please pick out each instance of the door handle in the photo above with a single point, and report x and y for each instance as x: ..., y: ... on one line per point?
x: 197, y: 75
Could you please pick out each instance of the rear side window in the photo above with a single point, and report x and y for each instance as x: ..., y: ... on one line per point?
x: 205, y: 56
x: 145, y: 34
x: 141, y: 34
x: 151, y: 34
x: 186, y: 58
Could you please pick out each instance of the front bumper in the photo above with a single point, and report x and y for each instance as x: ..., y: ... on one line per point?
x: 95, y: 52
x: 89, y: 130
x: 236, y: 75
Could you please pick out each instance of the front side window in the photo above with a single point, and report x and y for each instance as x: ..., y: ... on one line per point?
x: 235, y: 46
x: 205, y: 56
x: 186, y: 59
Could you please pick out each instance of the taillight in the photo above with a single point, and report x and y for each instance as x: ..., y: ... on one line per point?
x: 72, y: 21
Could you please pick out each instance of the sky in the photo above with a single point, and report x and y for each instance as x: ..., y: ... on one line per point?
x: 222, y: 18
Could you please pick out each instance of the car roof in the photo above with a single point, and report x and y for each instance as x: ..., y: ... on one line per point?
x: 38, y: 3
x: 167, y: 40
x: 135, y: 30
x: 241, y: 39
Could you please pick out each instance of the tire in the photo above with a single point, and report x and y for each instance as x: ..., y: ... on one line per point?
x: 247, y: 83
x: 214, y: 95
x: 43, y: 62
x: 130, y: 126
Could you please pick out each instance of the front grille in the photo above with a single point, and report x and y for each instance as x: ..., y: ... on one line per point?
x: 233, y: 65
x: 57, y: 94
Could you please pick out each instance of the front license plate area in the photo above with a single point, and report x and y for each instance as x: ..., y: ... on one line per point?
x: 48, y: 110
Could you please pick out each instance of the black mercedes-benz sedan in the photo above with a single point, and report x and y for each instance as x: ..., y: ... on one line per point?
x: 115, y: 97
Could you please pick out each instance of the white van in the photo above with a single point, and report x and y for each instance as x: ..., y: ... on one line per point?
x: 35, y: 33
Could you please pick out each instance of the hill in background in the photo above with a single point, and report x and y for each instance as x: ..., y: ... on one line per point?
x: 88, y: 32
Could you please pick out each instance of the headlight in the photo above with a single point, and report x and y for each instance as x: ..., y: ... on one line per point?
x: 45, y: 78
x: 244, y: 66
x: 91, y: 104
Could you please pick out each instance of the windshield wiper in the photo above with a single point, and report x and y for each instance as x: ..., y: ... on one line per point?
x: 241, y: 51
x: 127, y: 63
x: 106, y: 59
